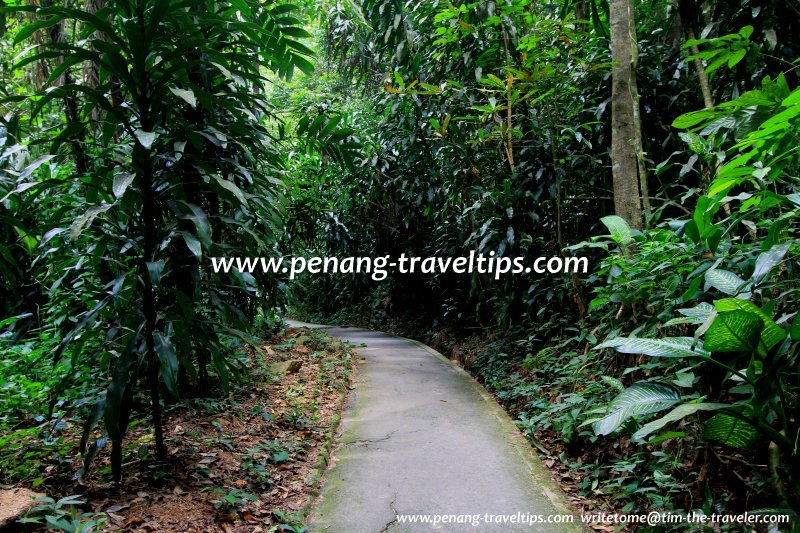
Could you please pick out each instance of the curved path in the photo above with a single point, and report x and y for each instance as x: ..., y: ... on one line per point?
x: 420, y: 436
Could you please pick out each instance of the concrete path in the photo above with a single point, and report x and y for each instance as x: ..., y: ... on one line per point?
x: 420, y: 436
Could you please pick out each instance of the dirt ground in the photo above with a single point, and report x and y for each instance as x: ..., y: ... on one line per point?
x: 241, y: 462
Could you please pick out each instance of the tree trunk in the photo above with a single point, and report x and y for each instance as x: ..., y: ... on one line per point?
x: 688, y: 19
x: 71, y: 108
x: 143, y: 162
x: 624, y: 111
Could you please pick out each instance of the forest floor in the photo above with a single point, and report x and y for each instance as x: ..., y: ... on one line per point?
x: 242, y: 462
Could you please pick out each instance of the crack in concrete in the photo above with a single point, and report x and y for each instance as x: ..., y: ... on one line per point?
x: 366, y: 443
x: 393, y: 521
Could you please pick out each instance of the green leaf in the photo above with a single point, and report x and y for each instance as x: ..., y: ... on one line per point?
x: 168, y: 361
x: 794, y: 330
x: 772, y: 333
x: 723, y: 280
x: 121, y: 183
x: 614, y: 383
x: 193, y: 243
x: 86, y: 219
x: 736, y: 57
x: 792, y: 99
x: 687, y: 120
x: 185, y: 95
x: 146, y: 138
x: 679, y: 413
x: 201, y: 223
x: 117, y: 401
x: 280, y: 457
x: 231, y: 187
x: 666, y: 347
x: 242, y: 7
x: 767, y: 261
x: 639, y: 399
x: 620, y: 230
x: 155, y: 270
x: 699, y: 313
x: 29, y: 29
x: 26, y: 173
x: 294, y: 31
x: 330, y: 126
x: 734, y: 331
x: 730, y: 431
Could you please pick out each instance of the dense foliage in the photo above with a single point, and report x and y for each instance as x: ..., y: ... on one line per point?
x: 142, y: 143
x: 489, y: 129
x: 138, y: 138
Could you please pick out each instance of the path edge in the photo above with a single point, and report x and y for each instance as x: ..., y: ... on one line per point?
x: 316, y: 476
x: 540, y: 474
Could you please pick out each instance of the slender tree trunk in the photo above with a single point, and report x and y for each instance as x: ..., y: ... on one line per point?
x: 509, y: 138
x: 687, y: 19
x: 149, y: 304
x: 702, y: 77
x: 644, y: 185
x: 71, y: 108
x: 143, y: 162
x: 91, y: 72
x: 581, y: 12
x: 624, y: 98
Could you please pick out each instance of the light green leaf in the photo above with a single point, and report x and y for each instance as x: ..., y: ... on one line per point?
x: 684, y: 379
x: 614, y: 383
x: 679, y: 413
x: 86, y: 219
x: 681, y: 320
x: 31, y: 168
x: 620, y: 230
x: 736, y: 57
x: 687, y: 120
x: 767, y: 261
x: 185, y: 94
x: 730, y: 431
x: 772, y: 333
x: 29, y: 29
x: 639, y: 399
x: 792, y: 99
x: 698, y: 313
x: 723, y: 280
x: 21, y: 188
x: 146, y: 138
x: 666, y: 347
x: 734, y: 331
x: 121, y: 183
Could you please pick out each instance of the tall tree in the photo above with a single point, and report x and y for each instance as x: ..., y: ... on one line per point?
x: 625, y: 113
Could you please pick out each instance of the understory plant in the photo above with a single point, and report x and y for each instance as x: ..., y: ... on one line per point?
x: 170, y: 160
x: 735, y: 366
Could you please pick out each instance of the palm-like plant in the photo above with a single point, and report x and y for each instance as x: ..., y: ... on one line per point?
x: 184, y: 165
